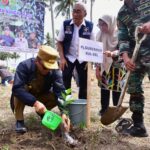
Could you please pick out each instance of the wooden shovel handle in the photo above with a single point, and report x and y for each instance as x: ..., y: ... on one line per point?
x: 134, y: 56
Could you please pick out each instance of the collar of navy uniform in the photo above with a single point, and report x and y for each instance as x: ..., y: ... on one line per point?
x: 83, y: 22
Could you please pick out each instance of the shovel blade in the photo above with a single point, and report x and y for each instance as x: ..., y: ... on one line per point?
x: 112, y: 114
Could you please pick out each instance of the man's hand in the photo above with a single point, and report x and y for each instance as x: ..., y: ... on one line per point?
x: 128, y: 62
x: 145, y: 28
x: 108, y: 53
x: 63, y: 63
x: 66, y: 122
x: 39, y: 107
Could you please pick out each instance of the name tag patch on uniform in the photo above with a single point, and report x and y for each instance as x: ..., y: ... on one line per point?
x: 68, y: 30
x: 86, y: 31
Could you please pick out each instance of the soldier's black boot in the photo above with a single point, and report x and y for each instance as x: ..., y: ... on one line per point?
x: 138, y: 130
x: 137, y: 107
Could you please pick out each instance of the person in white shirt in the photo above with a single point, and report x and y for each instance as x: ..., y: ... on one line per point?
x: 67, y: 45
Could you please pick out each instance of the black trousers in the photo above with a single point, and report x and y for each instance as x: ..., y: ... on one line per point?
x: 105, y: 98
x: 82, y: 75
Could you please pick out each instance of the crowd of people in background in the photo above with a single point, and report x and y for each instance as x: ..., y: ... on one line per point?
x: 8, y: 38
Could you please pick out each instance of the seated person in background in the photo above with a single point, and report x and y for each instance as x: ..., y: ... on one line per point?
x: 6, y: 76
x: 21, y: 41
x: 38, y: 83
x: 6, y: 38
x: 33, y: 41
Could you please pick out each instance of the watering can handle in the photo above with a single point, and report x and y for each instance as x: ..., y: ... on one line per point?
x: 134, y: 56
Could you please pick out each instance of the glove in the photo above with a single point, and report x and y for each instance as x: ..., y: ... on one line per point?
x: 39, y: 107
x: 66, y: 122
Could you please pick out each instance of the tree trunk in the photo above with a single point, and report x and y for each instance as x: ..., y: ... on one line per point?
x: 91, y: 10
x: 52, y: 19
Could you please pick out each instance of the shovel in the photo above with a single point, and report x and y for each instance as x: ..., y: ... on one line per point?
x: 115, y: 112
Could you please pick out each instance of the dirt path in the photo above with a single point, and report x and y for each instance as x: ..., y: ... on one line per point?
x: 96, y: 137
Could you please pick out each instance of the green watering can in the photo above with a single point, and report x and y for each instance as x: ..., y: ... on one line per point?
x: 51, y: 120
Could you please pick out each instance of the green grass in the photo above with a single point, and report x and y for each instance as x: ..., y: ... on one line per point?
x: 5, y: 147
x: 82, y: 125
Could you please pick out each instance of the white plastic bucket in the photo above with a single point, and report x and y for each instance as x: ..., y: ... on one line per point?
x: 77, y: 112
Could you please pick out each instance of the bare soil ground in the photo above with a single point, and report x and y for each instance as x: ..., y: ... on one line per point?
x: 96, y: 137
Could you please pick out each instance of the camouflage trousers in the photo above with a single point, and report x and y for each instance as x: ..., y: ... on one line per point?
x: 137, y: 76
x: 135, y: 88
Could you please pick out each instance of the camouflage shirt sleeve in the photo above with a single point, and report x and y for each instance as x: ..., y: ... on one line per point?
x: 124, y: 43
x: 132, y: 14
x: 123, y: 38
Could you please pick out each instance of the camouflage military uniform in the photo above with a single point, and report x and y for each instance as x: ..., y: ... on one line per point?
x: 134, y: 13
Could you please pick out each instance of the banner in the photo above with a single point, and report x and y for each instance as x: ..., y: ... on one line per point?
x: 21, y: 25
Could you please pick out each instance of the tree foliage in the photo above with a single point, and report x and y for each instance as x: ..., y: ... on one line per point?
x: 15, y: 56
x: 64, y: 7
x: 7, y: 55
x: 48, y: 40
x: 4, y: 55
